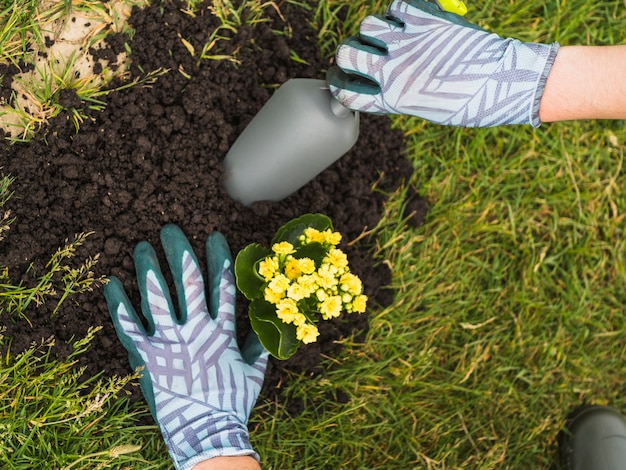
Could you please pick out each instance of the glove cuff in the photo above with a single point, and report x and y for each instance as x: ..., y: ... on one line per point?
x: 520, y: 80
x: 541, y: 84
x: 207, y: 438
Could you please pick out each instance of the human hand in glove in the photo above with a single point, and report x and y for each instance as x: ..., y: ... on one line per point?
x: 423, y: 61
x: 199, y: 385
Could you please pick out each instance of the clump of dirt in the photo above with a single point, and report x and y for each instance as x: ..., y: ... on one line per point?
x: 153, y: 157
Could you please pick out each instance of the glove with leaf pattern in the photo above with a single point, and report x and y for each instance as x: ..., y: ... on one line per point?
x: 423, y: 61
x: 199, y: 385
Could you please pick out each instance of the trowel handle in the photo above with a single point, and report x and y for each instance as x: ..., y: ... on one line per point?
x: 337, y: 108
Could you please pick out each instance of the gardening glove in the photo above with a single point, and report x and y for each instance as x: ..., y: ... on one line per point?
x: 199, y: 385
x: 427, y: 62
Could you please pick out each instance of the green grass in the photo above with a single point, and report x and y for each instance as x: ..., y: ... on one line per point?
x: 509, y: 300
x: 18, y: 26
x: 51, y: 418
x: 509, y: 307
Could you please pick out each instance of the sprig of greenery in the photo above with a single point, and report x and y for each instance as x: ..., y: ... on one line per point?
x: 5, y: 214
x: 59, y: 276
x: 334, y: 20
x: 232, y: 16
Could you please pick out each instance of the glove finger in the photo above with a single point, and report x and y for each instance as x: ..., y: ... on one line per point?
x: 355, y: 92
x: 222, y: 287
x: 186, y: 272
x: 131, y: 333
x: 398, y: 8
x: 354, y: 56
x: 378, y: 31
x: 156, y: 303
x: 127, y: 323
x: 338, y: 78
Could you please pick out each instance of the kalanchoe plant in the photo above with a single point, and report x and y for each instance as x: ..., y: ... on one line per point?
x: 301, y: 279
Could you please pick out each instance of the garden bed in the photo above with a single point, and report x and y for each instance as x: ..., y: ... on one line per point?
x: 153, y: 156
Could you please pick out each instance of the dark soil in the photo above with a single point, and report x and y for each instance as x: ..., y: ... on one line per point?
x: 153, y: 156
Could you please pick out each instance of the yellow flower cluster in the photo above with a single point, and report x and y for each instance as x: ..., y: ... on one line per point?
x: 292, y: 283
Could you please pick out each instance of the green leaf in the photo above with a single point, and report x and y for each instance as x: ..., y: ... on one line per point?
x: 308, y: 307
x: 277, y: 337
x: 249, y: 281
x: 315, y: 251
x: 294, y: 228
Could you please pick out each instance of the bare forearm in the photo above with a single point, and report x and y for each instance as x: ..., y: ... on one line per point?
x: 229, y: 463
x: 586, y: 82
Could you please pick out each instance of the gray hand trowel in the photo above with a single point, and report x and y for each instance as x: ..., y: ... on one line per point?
x: 298, y: 133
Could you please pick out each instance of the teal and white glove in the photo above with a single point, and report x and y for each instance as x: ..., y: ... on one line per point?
x: 426, y: 62
x: 199, y: 385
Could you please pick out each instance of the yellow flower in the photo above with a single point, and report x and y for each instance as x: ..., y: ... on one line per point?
x: 308, y: 284
x: 325, y: 277
x: 297, y: 292
x: 351, y: 283
x: 337, y: 258
x: 307, y: 265
x: 279, y: 283
x: 299, y: 319
x: 283, y: 248
x: 332, y: 238
x: 321, y: 294
x: 313, y: 235
x: 359, y: 304
x: 286, y: 310
x: 271, y: 296
x: 331, y: 307
x: 268, y: 267
x: 307, y: 333
x: 292, y: 268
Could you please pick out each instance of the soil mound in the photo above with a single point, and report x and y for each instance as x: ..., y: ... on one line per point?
x: 153, y: 156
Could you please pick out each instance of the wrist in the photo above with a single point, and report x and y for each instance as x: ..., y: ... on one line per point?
x: 585, y: 83
x: 228, y: 463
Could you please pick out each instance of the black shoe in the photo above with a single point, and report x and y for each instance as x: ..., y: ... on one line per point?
x: 594, y: 439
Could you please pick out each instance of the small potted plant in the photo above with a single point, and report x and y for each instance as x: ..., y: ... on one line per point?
x: 302, y: 279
